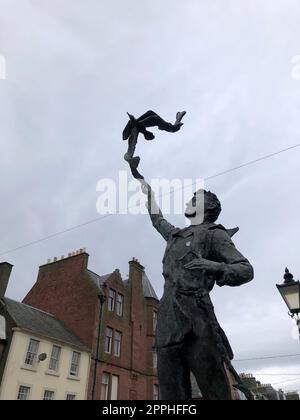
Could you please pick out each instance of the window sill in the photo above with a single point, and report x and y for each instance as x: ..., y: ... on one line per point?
x: 52, y: 373
x: 28, y: 367
x: 73, y: 378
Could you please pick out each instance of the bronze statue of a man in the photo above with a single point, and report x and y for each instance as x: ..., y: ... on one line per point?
x: 189, y: 337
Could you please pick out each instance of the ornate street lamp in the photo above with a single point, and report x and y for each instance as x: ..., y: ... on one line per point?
x: 290, y: 292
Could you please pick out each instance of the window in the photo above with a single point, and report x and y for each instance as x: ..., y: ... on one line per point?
x: 2, y: 328
x: 154, y: 320
x: 120, y: 304
x: 156, y: 392
x: 114, y: 387
x: 71, y: 397
x: 111, y: 300
x: 108, y: 340
x: 105, y: 386
x: 117, y: 344
x: 48, y: 395
x: 54, y: 360
x: 75, y: 363
x: 154, y: 360
x: 23, y: 393
x: 109, y: 386
x: 32, y: 352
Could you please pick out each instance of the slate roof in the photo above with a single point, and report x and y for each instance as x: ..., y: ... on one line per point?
x: 148, y: 290
x: 41, y: 323
x: 98, y: 280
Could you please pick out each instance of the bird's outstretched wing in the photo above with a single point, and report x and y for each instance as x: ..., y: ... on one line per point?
x: 151, y: 121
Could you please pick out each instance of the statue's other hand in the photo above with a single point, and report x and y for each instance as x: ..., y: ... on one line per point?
x: 203, y: 265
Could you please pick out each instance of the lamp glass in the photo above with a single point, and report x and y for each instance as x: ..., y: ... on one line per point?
x: 291, y: 296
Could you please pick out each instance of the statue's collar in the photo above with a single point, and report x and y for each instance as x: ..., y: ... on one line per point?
x: 204, y: 226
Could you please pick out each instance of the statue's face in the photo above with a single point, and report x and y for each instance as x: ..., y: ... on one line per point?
x: 204, y: 206
x: 195, y: 207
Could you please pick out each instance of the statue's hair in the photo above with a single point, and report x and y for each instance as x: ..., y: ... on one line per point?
x: 212, y: 206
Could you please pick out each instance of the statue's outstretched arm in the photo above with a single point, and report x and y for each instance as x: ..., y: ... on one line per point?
x: 159, y: 222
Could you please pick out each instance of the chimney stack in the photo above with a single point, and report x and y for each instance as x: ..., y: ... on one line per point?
x: 5, y: 270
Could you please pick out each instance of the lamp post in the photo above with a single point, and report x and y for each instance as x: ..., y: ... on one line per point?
x: 290, y: 292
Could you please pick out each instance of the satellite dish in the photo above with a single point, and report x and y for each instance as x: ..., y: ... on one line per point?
x: 42, y: 357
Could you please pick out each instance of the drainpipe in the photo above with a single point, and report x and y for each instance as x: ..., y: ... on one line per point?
x: 102, y: 300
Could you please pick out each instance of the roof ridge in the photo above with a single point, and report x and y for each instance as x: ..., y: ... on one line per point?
x: 71, y: 339
x: 96, y: 274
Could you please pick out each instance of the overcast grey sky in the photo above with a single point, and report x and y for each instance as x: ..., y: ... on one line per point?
x: 75, y: 67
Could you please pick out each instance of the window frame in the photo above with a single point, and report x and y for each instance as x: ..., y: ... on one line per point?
x: 49, y: 391
x: 107, y: 385
x: 111, y: 386
x: 111, y: 340
x: 119, y: 333
x: 111, y: 301
x: 72, y: 373
x: 28, y: 387
x: 30, y: 354
x: 73, y: 394
x: 154, y: 358
x: 156, y: 388
x: 154, y: 320
x: 57, y: 361
x: 120, y: 305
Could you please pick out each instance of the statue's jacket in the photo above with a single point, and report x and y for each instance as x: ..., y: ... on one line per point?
x: 186, y: 308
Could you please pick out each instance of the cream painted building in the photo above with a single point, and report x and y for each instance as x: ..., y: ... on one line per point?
x: 42, y: 359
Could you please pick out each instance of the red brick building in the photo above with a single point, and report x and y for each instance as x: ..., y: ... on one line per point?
x: 122, y: 332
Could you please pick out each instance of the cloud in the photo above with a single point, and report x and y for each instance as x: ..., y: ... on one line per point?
x: 74, y: 68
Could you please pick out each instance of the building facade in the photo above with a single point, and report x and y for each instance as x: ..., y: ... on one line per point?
x: 292, y: 396
x: 62, y: 376
x: 262, y: 391
x: 120, y: 331
x: 40, y: 359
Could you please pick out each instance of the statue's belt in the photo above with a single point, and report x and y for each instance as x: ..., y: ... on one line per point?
x: 201, y: 296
